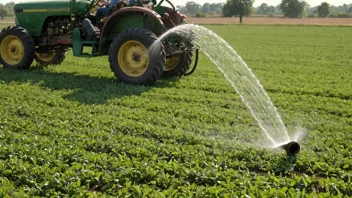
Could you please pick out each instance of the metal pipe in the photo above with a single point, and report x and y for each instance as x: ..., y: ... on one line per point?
x: 291, y: 148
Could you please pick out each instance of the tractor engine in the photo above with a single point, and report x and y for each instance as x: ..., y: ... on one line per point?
x: 54, y: 34
x: 58, y: 26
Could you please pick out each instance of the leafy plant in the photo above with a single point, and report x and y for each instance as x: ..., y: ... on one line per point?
x: 73, y: 131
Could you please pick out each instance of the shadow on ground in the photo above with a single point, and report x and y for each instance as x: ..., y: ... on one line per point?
x: 85, y: 89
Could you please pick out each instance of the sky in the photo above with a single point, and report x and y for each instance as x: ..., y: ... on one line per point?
x: 257, y: 3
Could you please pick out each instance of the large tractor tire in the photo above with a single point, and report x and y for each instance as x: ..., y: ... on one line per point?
x: 132, y: 62
x: 16, y: 48
x: 53, y: 58
x: 178, y: 65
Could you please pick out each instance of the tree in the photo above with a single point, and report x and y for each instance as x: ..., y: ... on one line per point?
x: 349, y: 10
x: 278, y: 9
x: 262, y: 9
x: 181, y: 9
x: 216, y: 7
x: 4, y: 11
x: 345, y: 7
x: 10, y: 6
x: 265, y: 9
x: 323, y: 10
x: 271, y: 9
x: 238, y: 8
x: 293, y: 8
x: 192, y: 7
x: 205, y: 8
x: 212, y: 7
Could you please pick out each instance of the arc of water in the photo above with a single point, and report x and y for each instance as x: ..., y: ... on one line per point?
x: 240, y: 77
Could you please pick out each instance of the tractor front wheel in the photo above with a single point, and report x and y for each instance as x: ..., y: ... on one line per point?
x: 50, y: 58
x: 16, y: 48
x: 132, y: 61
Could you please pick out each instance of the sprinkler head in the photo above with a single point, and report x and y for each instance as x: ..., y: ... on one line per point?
x: 291, y: 148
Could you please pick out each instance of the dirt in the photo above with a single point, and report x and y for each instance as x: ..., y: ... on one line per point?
x: 274, y: 20
x: 8, y: 20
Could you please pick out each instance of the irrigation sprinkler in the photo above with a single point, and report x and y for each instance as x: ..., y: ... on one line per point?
x: 291, y: 148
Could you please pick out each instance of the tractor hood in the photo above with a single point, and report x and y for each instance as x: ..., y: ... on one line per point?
x: 42, y: 6
x: 52, y: 6
x: 33, y: 14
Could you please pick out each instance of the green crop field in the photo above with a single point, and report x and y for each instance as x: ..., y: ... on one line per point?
x: 74, y: 131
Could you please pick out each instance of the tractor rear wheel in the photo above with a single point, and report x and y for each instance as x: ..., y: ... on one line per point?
x: 16, y: 48
x: 50, y: 58
x: 178, y: 65
x: 132, y: 61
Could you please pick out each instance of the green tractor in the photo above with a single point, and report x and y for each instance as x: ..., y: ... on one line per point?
x: 44, y: 32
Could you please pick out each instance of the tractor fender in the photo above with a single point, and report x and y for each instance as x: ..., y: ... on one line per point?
x: 116, y: 16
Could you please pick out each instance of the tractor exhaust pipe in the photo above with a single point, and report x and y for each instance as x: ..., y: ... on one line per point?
x: 291, y: 148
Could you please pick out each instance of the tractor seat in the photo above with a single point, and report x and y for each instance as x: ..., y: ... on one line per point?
x: 90, y: 31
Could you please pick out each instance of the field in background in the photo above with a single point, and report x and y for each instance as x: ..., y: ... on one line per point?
x: 256, y: 20
x: 73, y: 130
x: 274, y: 20
x: 8, y: 20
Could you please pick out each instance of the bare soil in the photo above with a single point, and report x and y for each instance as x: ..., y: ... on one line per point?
x: 274, y: 21
x: 8, y: 20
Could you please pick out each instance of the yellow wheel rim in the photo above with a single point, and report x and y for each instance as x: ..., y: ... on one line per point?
x: 12, y: 50
x: 171, y: 63
x: 46, y: 57
x: 133, y: 58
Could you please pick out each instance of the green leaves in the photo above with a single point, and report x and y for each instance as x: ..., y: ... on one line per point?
x: 73, y: 131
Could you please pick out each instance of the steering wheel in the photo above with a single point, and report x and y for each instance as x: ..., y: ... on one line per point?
x: 94, y: 6
x: 172, y: 5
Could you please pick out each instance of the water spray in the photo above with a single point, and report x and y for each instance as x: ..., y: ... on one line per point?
x: 291, y: 148
x: 242, y: 79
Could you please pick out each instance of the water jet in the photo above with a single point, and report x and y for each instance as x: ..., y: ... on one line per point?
x: 243, y: 80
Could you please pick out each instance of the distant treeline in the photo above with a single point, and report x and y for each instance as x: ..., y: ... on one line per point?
x: 287, y: 8
x: 6, y: 10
